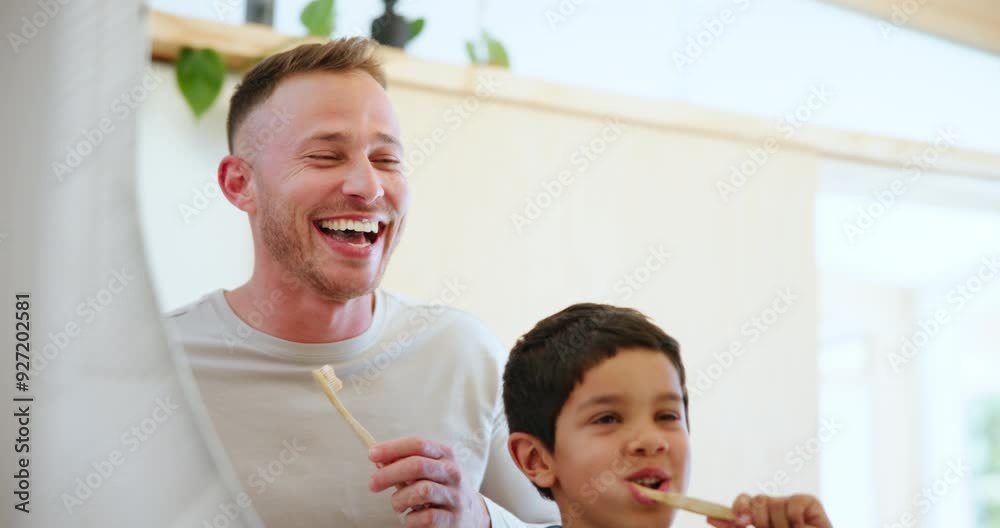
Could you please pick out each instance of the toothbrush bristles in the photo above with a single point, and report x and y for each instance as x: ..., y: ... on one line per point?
x: 331, y: 378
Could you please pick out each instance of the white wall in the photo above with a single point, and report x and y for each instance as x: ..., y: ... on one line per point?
x: 195, y: 240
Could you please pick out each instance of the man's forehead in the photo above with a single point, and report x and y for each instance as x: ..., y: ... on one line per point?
x: 329, y: 87
x: 319, y: 114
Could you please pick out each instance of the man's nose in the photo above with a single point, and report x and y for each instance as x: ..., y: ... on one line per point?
x: 363, y: 182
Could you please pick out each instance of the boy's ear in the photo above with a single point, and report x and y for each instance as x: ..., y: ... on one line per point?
x: 533, y: 459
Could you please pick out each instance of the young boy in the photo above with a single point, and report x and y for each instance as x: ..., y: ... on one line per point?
x: 597, y: 406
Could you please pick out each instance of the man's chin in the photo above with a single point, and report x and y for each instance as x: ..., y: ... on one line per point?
x: 342, y: 289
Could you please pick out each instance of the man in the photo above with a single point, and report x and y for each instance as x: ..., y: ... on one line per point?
x: 316, y: 163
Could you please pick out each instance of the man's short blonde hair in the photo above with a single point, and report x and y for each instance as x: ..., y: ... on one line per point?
x: 339, y: 55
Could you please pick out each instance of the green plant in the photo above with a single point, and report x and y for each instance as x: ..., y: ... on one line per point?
x: 495, y: 53
x: 317, y: 17
x: 416, y: 26
x: 200, y: 72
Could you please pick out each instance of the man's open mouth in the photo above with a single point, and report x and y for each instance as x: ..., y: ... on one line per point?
x: 357, y: 233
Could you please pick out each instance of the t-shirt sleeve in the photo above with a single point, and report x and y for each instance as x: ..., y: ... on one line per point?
x: 512, y: 501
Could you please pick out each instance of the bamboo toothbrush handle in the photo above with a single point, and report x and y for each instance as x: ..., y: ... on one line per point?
x: 676, y: 500
x: 363, y: 434
x: 708, y: 509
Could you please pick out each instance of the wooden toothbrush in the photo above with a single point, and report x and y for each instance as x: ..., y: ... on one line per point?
x: 676, y: 500
x: 328, y: 380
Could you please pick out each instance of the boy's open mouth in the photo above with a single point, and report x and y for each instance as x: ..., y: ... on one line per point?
x: 357, y: 233
x: 650, y: 477
x: 650, y: 482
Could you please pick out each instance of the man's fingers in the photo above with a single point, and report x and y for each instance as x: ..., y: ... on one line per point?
x: 392, y: 450
x: 422, y: 493
x: 412, y: 469
x: 429, y: 517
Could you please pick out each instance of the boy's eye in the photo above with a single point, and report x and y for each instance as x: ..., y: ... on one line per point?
x: 607, y: 419
x: 669, y: 417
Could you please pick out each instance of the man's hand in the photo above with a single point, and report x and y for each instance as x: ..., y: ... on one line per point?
x: 762, y: 511
x: 429, y: 483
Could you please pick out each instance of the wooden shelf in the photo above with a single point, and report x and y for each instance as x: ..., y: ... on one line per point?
x: 974, y: 23
x: 241, y: 46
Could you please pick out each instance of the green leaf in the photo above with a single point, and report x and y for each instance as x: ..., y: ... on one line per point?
x: 200, y: 74
x: 470, y: 50
x: 416, y: 26
x: 317, y: 16
x: 495, y: 52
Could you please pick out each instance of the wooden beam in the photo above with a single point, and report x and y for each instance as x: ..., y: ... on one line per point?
x: 242, y: 46
x: 971, y: 22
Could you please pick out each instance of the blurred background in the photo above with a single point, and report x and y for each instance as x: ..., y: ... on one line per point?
x: 805, y: 193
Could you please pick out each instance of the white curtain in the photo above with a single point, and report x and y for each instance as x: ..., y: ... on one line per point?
x: 117, y: 437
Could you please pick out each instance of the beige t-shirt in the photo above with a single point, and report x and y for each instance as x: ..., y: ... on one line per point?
x: 423, y: 370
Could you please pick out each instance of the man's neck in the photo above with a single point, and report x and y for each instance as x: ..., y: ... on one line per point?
x: 296, y: 313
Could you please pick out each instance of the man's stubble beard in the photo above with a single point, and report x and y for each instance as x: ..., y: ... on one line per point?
x: 277, y: 228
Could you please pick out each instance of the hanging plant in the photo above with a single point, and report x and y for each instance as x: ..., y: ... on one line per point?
x: 201, y: 73
x: 317, y: 17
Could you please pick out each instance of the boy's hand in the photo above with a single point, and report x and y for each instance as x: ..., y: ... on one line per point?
x: 762, y: 511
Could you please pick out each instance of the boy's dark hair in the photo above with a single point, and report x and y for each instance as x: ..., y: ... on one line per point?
x: 548, y: 362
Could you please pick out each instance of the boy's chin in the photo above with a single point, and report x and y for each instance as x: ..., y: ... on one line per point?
x: 625, y: 514
x: 635, y: 522
x: 635, y: 515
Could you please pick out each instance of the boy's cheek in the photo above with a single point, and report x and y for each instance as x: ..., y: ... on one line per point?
x: 681, y: 459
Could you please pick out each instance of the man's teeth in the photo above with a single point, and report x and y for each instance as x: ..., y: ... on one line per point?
x: 340, y: 224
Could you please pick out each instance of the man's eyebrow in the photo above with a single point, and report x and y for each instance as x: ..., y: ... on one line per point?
x: 330, y: 137
x: 389, y: 138
x: 344, y: 137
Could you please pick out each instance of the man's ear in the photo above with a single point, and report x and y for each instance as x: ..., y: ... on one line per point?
x: 533, y: 459
x: 234, y: 180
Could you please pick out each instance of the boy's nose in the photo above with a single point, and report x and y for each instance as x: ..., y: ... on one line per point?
x: 648, y: 443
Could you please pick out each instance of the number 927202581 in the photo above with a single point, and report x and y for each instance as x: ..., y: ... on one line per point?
x: 22, y: 341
